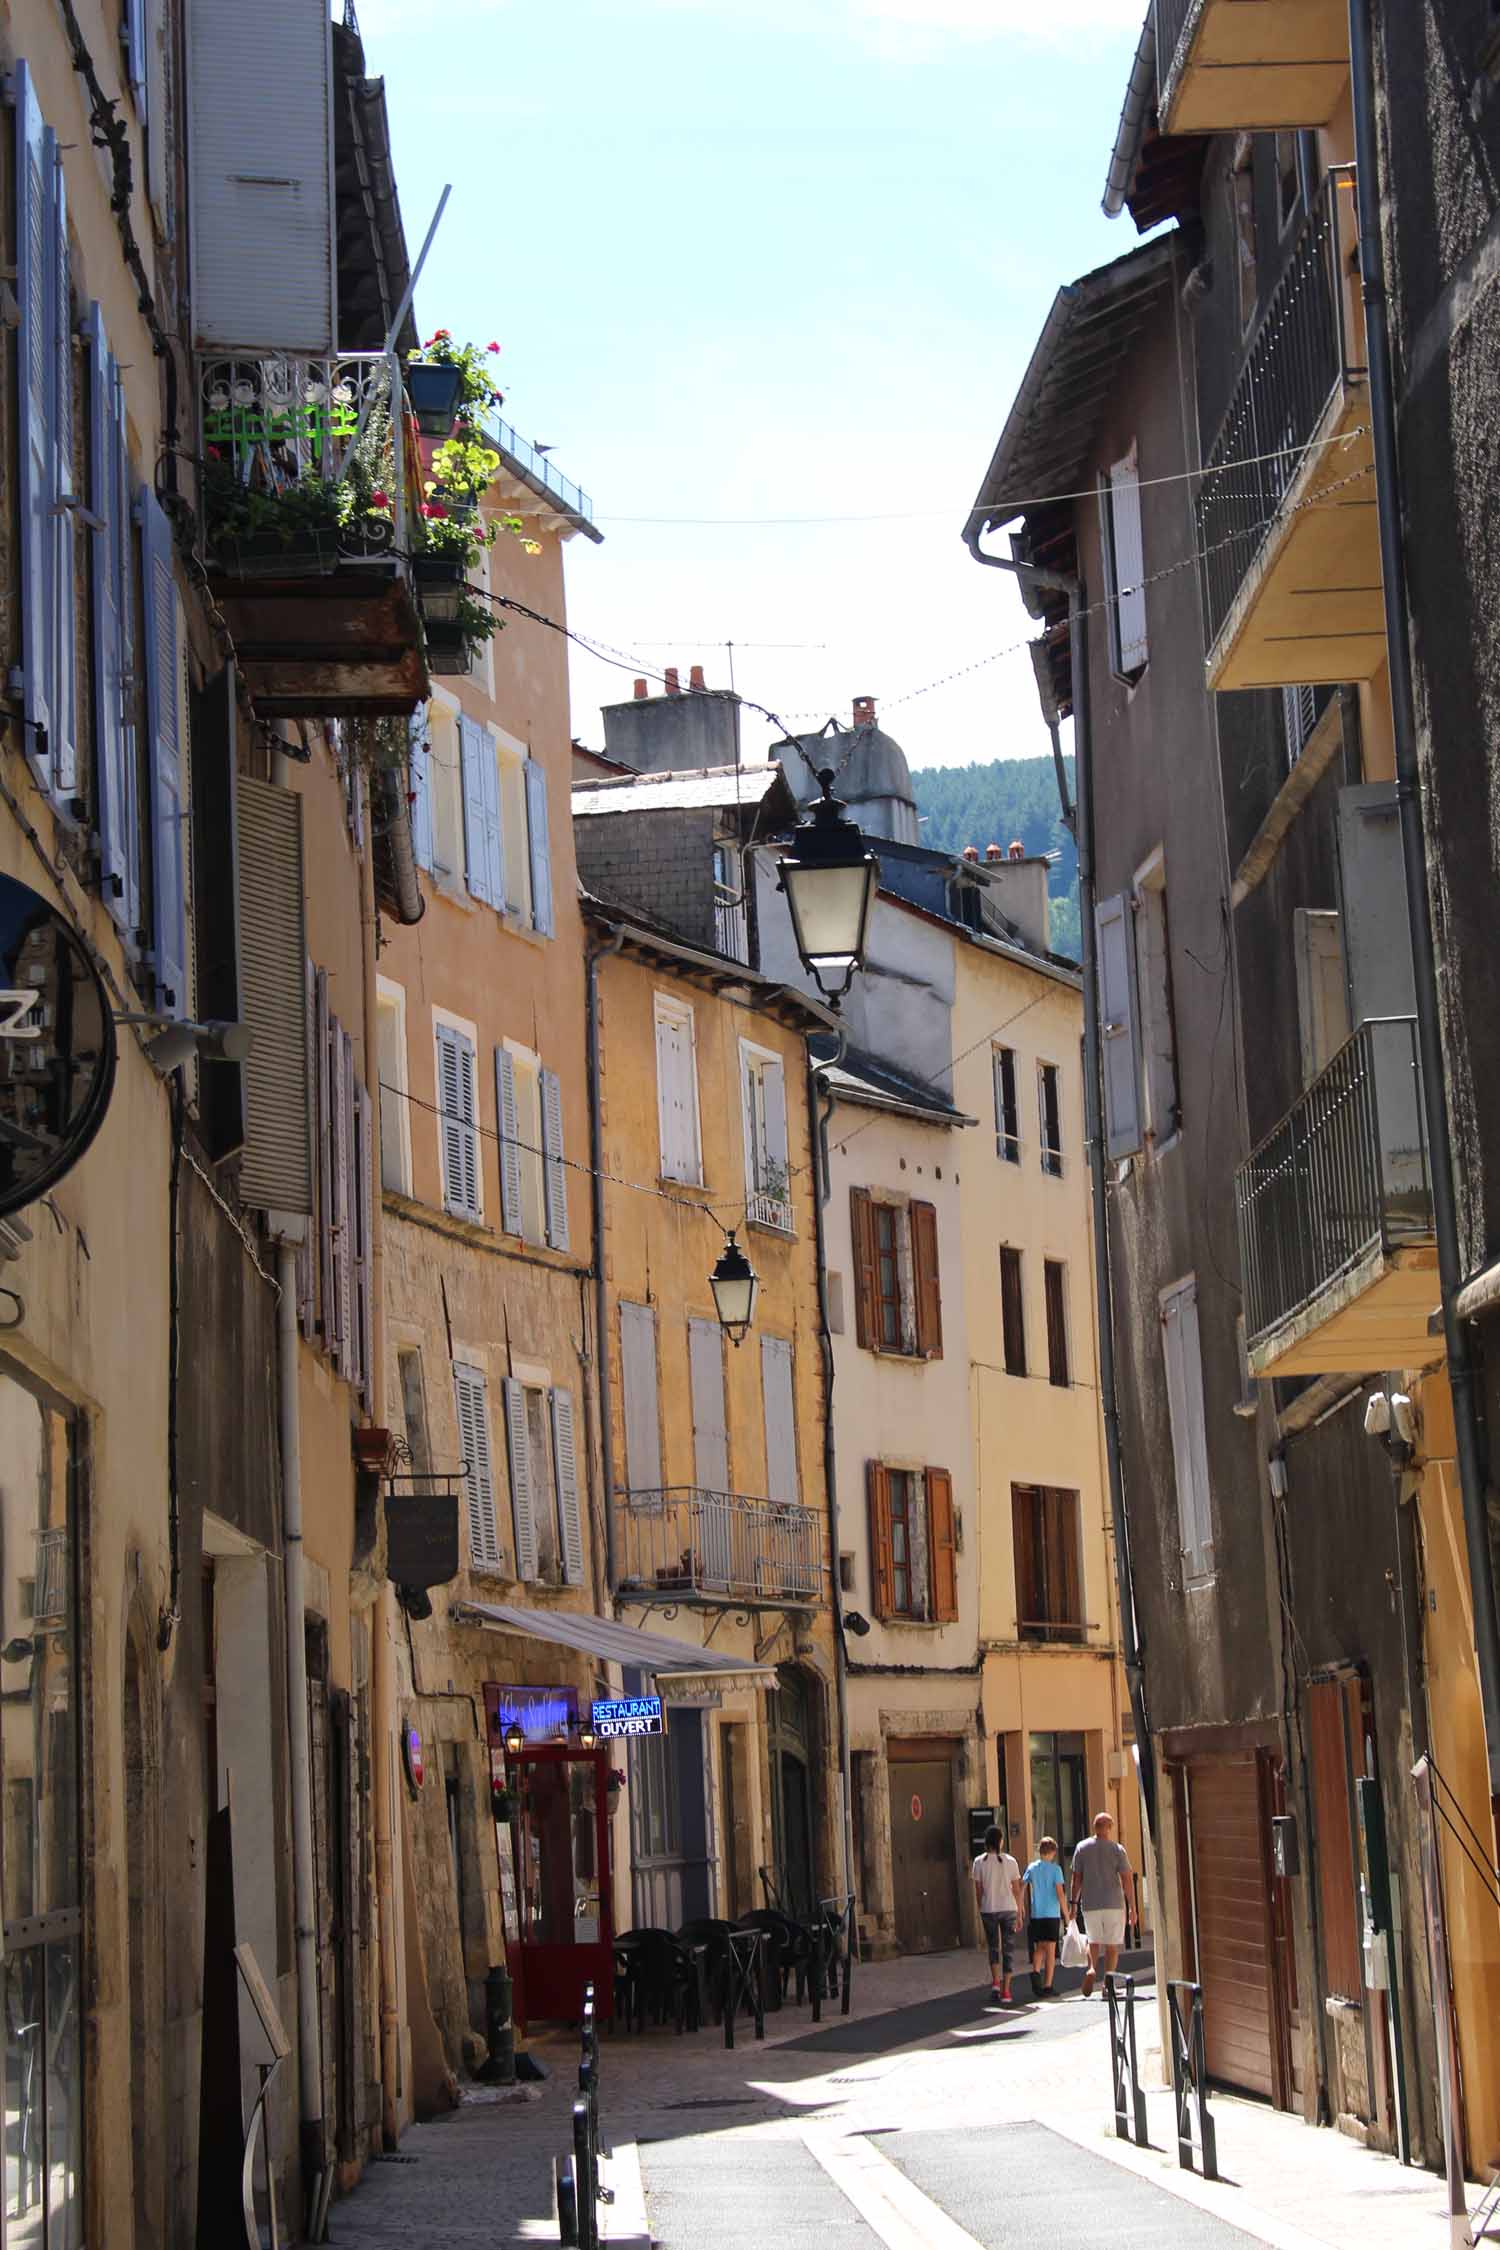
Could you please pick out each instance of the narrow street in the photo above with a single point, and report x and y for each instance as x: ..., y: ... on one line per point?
x: 928, y: 2118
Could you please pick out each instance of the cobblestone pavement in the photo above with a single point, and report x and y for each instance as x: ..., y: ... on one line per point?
x: 926, y: 2118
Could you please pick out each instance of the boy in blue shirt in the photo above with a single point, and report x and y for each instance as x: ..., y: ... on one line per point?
x: 1045, y: 1892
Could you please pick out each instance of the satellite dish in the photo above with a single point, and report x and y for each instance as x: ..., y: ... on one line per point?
x: 57, y: 1047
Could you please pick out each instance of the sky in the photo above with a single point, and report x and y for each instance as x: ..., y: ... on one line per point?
x: 766, y: 275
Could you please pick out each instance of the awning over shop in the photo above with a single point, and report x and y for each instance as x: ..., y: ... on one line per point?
x: 677, y: 1669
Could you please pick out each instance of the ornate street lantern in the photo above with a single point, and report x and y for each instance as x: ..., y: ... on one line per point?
x: 829, y: 875
x: 734, y: 1284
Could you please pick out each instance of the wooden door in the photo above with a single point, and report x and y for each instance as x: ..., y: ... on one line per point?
x: 923, y: 1869
x: 1232, y: 1906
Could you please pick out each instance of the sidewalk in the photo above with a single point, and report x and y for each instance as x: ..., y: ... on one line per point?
x: 922, y: 2065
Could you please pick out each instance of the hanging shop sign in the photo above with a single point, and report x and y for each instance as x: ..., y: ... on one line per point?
x: 541, y: 1713
x: 411, y: 1752
x: 57, y: 1046
x: 622, y: 1715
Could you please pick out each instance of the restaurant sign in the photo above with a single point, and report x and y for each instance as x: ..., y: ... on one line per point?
x: 627, y: 1715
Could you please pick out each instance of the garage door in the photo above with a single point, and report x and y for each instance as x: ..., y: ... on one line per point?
x: 1231, y: 1899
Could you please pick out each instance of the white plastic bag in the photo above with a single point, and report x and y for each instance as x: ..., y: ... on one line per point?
x: 1074, y: 1953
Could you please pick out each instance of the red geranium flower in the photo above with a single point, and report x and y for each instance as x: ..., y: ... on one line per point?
x: 431, y: 508
x: 492, y: 347
x: 380, y: 499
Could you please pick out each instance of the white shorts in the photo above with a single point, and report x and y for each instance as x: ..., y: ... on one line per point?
x: 1106, y: 1925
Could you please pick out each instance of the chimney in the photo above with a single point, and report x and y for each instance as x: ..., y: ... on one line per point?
x: 992, y: 852
x: 641, y: 691
x: 1017, y: 849
x: 971, y: 851
x: 674, y: 685
x: 695, y: 679
x: 864, y: 710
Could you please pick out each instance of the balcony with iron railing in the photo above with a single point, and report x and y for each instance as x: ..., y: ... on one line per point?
x: 528, y: 475
x: 1334, y: 1211
x: 308, y: 496
x: 1249, y: 65
x: 1286, y: 519
x: 681, y: 1543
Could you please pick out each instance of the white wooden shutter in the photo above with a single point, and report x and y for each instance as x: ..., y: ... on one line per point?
x: 1117, y: 1026
x: 522, y: 1498
x: 1129, y: 562
x: 565, y: 1473
x: 750, y: 1118
x: 555, y: 1176
x: 710, y: 1425
x: 337, y: 1314
x: 113, y: 791
x: 676, y: 1095
x: 511, y: 1210
x: 476, y: 822
x: 134, y: 37
x: 638, y: 1381
x: 276, y: 1172
x: 324, y: 1140
x: 63, y: 741
x: 168, y: 780
x: 421, y: 791
x: 260, y: 175
x: 458, y: 1123
x: 781, y: 1420
x: 364, y: 1244
x: 494, y: 842
x: 472, y: 1398
x: 1182, y: 1352
x: 773, y: 1076
x: 1322, y: 988
x: 540, y: 845
x: 34, y: 161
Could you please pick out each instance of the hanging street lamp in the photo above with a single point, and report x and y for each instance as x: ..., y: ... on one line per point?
x: 734, y: 1283
x: 829, y: 875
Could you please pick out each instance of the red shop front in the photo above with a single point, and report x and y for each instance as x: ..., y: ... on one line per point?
x: 563, y: 1933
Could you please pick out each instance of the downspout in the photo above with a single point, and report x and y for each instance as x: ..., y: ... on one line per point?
x: 1083, y: 828
x: 1418, y: 901
x: 817, y: 1121
x: 598, y: 953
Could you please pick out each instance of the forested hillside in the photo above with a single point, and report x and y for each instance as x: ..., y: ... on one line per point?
x: 995, y: 804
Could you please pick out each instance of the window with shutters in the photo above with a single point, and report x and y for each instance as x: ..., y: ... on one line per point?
x: 1182, y: 1354
x: 1322, y: 987
x: 1055, y: 1285
x: 642, y: 1407
x: 1119, y: 1054
x: 523, y: 1168
x: 395, y: 1109
x: 471, y: 1393
x: 779, y: 1403
x: 1153, y: 985
x: 337, y: 1290
x: 458, y: 1118
x: 1012, y: 1311
x: 767, y: 1156
x: 897, y: 1277
x: 166, y: 763
x: 913, y: 1543
x: 1049, y: 1108
x: 484, y: 850
x: 1007, y: 1109
x: 1049, y: 1582
x: 1124, y: 568
x: 677, y: 1091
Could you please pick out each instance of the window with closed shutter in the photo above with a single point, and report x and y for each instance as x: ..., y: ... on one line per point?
x: 63, y: 740
x: 926, y: 1281
x: 882, y: 1558
x: 276, y: 1173
x: 539, y: 843
x: 484, y: 858
x: 780, y: 1419
x: 1125, y: 554
x: 866, y: 1281
x: 168, y: 782
x: 508, y: 1112
x: 1119, y: 1054
x: 565, y: 1472
x: 1055, y: 1282
x: 1012, y: 1312
x: 112, y: 651
x: 1049, y: 1592
x: 942, y: 1536
x: 677, y: 1092
x: 555, y: 1183
x: 523, y: 1497
x: 472, y: 1398
x: 710, y: 1425
x: 458, y: 1122
x: 420, y: 761
x: 1184, y: 1367
x: 638, y: 1382
x: 35, y: 158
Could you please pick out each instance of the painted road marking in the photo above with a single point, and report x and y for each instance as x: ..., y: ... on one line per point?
x: 902, y: 2216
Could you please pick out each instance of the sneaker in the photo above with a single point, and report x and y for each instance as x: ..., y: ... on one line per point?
x: 995, y: 1988
x: 1088, y: 1982
x: 1006, y: 2000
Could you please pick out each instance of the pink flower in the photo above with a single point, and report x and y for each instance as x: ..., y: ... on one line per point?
x: 492, y: 347
x: 431, y: 508
x: 380, y: 499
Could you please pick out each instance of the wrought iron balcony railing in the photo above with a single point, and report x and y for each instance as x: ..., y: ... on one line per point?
x: 267, y: 424
x: 539, y: 471
x: 689, y: 1544
x: 1345, y: 1170
x: 1297, y: 361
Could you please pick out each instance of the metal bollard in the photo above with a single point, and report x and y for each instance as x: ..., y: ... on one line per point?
x: 1190, y: 2078
x: 499, y: 2029
x: 585, y: 2175
x: 1130, y: 2095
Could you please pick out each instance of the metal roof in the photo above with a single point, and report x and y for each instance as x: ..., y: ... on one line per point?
x: 710, y: 788
x: 1045, y: 446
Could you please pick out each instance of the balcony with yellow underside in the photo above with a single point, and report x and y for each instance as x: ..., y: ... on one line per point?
x: 1250, y: 65
x: 1286, y: 515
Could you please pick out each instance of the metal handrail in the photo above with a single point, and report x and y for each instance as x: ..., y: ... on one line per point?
x: 539, y: 468
x: 1345, y: 1169
x: 1296, y: 362
x: 685, y: 1540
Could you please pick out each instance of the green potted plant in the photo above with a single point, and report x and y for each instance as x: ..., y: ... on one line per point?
x: 452, y: 640
x: 447, y: 381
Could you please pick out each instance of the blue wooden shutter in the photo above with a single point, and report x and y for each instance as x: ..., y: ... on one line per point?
x: 168, y: 779
x: 472, y: 744
x: 421, y: 791
x: 565, y: 1475
x: 522, y: 1498
x: 541, y: 848
x: 64, y: 688
x: 555, y: 1179
x: 123, y: 541
x: 489, y: 767
x: 1120, y: 1058
x: 472, y: 1399
x: 34, y: 147
x: 509, y: 1120
x: 109, y: 553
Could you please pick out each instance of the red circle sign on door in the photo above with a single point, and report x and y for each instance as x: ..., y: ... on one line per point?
x: 916, y: 1808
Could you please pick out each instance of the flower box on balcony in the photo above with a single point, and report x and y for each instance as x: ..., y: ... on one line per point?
x: 439, y: 580
x: 449, y: 647
x: 432, y: 393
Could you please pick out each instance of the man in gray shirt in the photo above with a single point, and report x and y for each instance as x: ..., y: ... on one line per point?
x: 1097, y: 1884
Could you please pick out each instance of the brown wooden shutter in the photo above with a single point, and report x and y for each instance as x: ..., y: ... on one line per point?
x: 1012, y: 1312
x: 926, y: 1287
x: 1330, y: 1776
x: 1064, y: 1576
x: 1057, y: 1323
x: 1023, y: 1507
x: 882, y: 1560
x: 942, y: 1545
x: 866, y: 1276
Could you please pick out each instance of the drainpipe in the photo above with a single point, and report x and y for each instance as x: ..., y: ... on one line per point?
x: 299, y: 1758
x: 1083, y: 828
x: 817, y: 1121
x: 1418, y: 902
x: 598, y: 953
